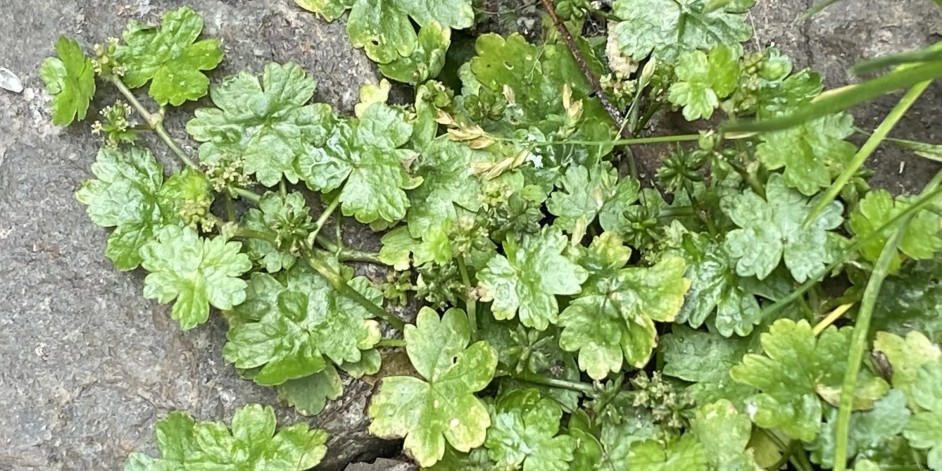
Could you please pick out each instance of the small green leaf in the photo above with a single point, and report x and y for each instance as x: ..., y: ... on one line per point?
x: 697, y: 356
x: 684, y: 453
x: 449, y: 183
x: 797, y: 371
x: 585, y: 192
x: 923, y: 430
x: 725, y: 433
x: 309, y: 395
x: 397, y: 248
x: 906, y: 356
x: 715, y: 287
x: 309, y: 322
x: 384, y: 30
x: 267, y: 125
x: 670, y: 27
x: 329, y: 10
x: 426, y: 60
x: 70, y: 80
x: 366, y: 158
x: 125, y: 196
x: 525, y: 434
x: 920, y: 240
x: 704, y: 80
x: 771, y: 230
x: 612, y: 320
x: 169, y: 57
x: 442, y: 406
x: 810, y: 153
x: 528, y: 277
x: 252, y: 443
x: 193, y: 273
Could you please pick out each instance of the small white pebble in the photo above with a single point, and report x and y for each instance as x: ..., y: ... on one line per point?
x: 9, y: 81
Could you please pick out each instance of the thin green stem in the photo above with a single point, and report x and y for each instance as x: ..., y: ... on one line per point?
x: 154, y: 121
x: 247, y: 194
x: 230, y: 208
x: 800, y: 458
x: 676, y: 212
x: 391, y: 343
x: 859, y: 343
x: 172, y: 144
x: 750, y: 178
x: 785, y: 449
x: 623, y: 142
x: 648, y: 114
x: 319, y: 224
x: 337, y: 282
x: 867, y: 149
x: 327, y: 244
x: 470, y: 302
x: 554, y: 383
x: 348, y: 255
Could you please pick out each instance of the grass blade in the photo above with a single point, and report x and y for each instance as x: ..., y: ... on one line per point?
x: 922, y: 55
x: 866, y: 150
x: 859, y: 343
x: 840, y: 99
x: 922, y: 149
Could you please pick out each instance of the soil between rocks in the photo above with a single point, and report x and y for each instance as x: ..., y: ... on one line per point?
x: 87, y: 365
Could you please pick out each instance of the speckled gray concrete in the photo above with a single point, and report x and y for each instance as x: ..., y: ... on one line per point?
x: 87, y: 365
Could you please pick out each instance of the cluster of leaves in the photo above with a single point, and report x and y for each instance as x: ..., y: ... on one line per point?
x: 252, y: 443
x: 570, y: 319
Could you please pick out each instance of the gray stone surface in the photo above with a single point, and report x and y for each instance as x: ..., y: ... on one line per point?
x: 87, y: 365
x: 382, y: 464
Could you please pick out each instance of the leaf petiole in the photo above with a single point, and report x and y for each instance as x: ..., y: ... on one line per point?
x: 319, y: 224
x: 584, y: 388
x: 154, y: 121
x: 246, y: 194
x: 337, y: 282
x: 470, y: 302
x: 391, y: 343
x: 349, y: 255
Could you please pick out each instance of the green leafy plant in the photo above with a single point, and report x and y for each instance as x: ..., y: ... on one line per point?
x: 251, y: 443
x: 760, y: 307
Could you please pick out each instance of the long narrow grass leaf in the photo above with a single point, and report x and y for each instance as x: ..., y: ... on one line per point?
x: 840, y: 99
x: 859, y: 343
x: 867, y: 149
x: 909, y: 57
x: 922, y: 149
